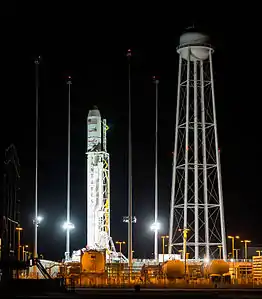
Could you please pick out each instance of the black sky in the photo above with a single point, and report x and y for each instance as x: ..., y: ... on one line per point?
x: 90, y: 45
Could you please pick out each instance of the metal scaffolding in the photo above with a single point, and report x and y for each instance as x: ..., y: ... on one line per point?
x: 10, y: 206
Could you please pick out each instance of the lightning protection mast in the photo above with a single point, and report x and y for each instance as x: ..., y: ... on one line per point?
x: 156, y: 225
x: 130, y: 180
x: 36, y: 219
x: 68, y: 226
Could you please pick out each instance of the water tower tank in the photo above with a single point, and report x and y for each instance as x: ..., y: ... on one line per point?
x: 194, y: 43
x: 173, y: 269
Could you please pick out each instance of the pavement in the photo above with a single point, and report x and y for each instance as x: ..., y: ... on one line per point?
x: 104, y: 293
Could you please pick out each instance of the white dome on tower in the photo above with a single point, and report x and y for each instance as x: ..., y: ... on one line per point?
x: 194, y: 44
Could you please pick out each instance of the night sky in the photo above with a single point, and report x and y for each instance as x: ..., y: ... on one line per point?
x: 91, y: 47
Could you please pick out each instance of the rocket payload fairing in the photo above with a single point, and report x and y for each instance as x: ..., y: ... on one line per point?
x: 98, y: 184
x: 94, y: 136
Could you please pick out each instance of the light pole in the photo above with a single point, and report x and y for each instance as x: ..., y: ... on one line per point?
x: 259, y: 252
x: 246, y: 255
x: 67, y: 253
x: 130, y: 171
x: 237, y: 250
x: 163, y: 246
x: 36, y: 222
x: 233, y: 244
x: 18, y: 229
x: 220, y: 251
x: 246, y: 249
x: 23, y: 247
x: 155, y: 227
x: 185, y: 232
x: 68, y: 226
x: 156, y: 224
x: 37, y: 61
x: 120, y: 248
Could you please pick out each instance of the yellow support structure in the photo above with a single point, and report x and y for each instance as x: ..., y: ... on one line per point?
x: 106, y: 205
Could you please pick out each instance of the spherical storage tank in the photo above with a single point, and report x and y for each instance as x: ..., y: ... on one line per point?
x: 195, y: 44
x: 173, y: 269
x: 93, y: 262
x: 219, y: 267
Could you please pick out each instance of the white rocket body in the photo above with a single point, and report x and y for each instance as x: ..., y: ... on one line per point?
x: 98, y: 183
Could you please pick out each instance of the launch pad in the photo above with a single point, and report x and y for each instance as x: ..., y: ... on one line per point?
x: 94, y: 271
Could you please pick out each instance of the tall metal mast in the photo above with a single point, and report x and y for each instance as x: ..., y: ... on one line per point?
x: 130, y: 204
x: 36, y: 222
x: 68, y: 227
x: 156, y: 81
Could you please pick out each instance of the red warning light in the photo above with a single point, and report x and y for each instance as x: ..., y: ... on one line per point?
x: 69, y: 80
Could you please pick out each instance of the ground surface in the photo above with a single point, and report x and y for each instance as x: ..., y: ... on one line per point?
x: 155, y: 293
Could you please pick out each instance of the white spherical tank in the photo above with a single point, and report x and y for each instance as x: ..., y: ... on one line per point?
x: 173, y: 269
x: 195, y: 44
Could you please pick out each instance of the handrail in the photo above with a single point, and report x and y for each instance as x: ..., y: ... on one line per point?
x: 204, y: 45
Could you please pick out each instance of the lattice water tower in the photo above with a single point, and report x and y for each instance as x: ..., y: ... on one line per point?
x: 197, y: 197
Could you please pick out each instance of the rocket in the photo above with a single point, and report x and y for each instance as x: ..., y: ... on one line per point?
x: 94, y: 137
x: 98, y: 183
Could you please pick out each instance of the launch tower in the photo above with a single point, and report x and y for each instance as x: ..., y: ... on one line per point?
x: 197, y: 222
x: 98, y: 184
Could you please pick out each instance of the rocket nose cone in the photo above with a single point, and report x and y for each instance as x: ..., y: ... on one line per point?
x: 94, y: 112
